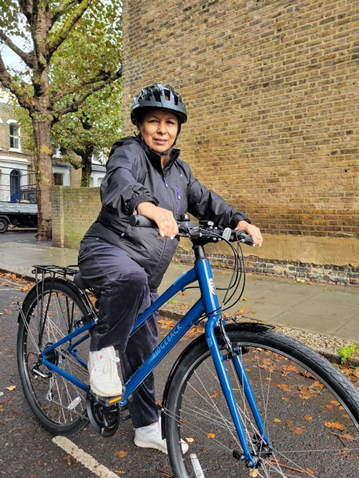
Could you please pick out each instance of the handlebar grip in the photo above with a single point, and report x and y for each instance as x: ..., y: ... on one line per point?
x: 244, y: 237
x: 141, y: 221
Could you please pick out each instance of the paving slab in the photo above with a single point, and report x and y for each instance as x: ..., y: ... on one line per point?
x: 324, y: 316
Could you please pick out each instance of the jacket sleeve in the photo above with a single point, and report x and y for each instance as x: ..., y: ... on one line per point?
x: 120, y: 188
x: 206, y: 204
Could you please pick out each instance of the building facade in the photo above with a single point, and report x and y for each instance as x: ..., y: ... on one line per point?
x: 17, y: 171
x: 17, y: 178
x: 272, y: 93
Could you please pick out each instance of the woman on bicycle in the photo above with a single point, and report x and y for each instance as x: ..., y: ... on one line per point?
x: 125, y: 265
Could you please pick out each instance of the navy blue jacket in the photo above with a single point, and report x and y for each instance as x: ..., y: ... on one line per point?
x: 134, y: 175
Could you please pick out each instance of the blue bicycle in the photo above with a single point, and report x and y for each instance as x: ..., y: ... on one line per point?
x: 248, y: 401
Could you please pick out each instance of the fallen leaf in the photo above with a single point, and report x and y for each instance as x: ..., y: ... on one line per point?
x: 277, y: 420
x: 308, y: 417
x: 165, y: 473
x: 11, y: 388
x: 122, y: 454
x: 253, y: 473
x: 336, y: 425
x: 298, y: 430
x: 211, y: 435
x: 189, y: 440
x: 215, y: 395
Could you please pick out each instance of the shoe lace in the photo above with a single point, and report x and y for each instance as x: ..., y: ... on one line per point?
x: 108, y: 365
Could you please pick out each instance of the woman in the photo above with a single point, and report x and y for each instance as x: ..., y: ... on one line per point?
x: 125, y: 265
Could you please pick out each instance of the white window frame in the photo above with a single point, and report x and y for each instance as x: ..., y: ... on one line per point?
x: 14, y: 122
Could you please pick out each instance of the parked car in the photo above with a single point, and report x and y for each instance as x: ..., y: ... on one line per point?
x: 18, y: 214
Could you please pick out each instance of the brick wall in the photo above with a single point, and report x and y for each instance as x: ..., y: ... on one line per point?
x: 73, y: 211
x: 272, y: 93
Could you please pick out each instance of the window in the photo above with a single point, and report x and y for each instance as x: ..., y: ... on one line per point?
x: 58, y: 179
x: 14, y: 136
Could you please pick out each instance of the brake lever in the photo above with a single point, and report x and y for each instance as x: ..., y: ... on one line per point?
x: 189, y: 229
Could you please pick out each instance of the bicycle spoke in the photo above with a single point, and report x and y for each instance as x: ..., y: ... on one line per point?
x: 302, y: 417
x: 46, y: 321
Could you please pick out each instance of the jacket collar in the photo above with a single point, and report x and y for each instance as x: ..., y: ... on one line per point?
x: 155, y: 158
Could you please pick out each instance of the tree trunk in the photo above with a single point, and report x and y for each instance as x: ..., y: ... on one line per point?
x: 86, y: 170
x: 44, y: 176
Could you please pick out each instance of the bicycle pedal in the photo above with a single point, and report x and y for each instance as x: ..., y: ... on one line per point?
x: 105, y: 401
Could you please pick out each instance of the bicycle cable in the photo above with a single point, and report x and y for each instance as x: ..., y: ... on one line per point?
x: 238, y: 276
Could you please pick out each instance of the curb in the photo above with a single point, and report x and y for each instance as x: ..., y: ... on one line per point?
x: 325, y: 345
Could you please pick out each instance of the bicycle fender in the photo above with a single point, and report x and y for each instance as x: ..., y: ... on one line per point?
x: 244, y: 326
x: 38, y: 287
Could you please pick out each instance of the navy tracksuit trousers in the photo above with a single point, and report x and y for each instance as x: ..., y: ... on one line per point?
x: 122, y: 286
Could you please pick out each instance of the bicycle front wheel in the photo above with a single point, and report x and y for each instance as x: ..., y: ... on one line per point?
x: 309, y: 409
x: 50, y: 312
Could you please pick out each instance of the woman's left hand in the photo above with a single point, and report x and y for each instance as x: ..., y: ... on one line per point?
x: 252, y: 230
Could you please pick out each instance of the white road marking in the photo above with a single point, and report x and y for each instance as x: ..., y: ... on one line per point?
x: 87, y: 460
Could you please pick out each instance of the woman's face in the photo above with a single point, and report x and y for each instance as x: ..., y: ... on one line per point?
x: 159, y: 130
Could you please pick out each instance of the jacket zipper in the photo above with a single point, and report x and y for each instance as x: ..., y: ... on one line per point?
x: 179, y: 200
x: 177, y: 193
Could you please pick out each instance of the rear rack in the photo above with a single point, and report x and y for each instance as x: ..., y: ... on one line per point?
x: 54, y: 271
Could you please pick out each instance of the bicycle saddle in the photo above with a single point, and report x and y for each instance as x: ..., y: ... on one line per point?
x: 80, y: 281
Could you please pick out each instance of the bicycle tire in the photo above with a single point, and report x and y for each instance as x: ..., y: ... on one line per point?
x: 58, y: 405
x: 312, y: 421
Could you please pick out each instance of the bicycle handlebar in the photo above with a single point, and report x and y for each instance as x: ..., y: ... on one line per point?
x: 205, y: 230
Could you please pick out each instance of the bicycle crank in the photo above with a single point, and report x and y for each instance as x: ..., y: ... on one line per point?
x: 104, y: 418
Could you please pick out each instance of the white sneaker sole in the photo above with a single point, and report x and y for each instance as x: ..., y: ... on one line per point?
x: 155, y: 446
x: 102, y: 394
x: 146, y: 444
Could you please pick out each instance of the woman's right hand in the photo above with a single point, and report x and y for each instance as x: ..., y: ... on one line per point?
x: 164, y: 218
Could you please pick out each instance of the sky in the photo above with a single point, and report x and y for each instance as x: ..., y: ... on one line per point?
x: 10, y: 58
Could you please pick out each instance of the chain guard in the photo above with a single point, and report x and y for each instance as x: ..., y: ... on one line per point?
x: 104, y: 419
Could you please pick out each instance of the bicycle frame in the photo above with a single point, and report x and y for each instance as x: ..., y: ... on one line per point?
x: 208, y: 303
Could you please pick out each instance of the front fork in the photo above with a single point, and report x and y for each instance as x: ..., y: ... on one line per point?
x: 212, y: 308
x: 251, y: 460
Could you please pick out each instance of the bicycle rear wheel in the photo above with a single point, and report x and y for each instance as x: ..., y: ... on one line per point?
x: 51, y: 312
x: 310, y: 411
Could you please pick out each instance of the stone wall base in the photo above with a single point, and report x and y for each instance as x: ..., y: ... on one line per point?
x: 340, y: 275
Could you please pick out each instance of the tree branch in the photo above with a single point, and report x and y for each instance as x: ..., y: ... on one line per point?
x: 63, y: 8
x: 16, y: 89
x: 27, y: 58
x: 26, y: 7
x: 55, y: 42
x: 81, y: 98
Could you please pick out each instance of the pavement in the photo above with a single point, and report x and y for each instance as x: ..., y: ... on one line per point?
x: 324, y: 316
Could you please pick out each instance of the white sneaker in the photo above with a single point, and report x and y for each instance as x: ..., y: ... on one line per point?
x: 154, y: 440
x: 102, y: 367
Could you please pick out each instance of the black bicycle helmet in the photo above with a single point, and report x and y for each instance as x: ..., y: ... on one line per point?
x: 158, y: 96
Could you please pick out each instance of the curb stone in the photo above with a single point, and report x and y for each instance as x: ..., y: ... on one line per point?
x: 322, y: 344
